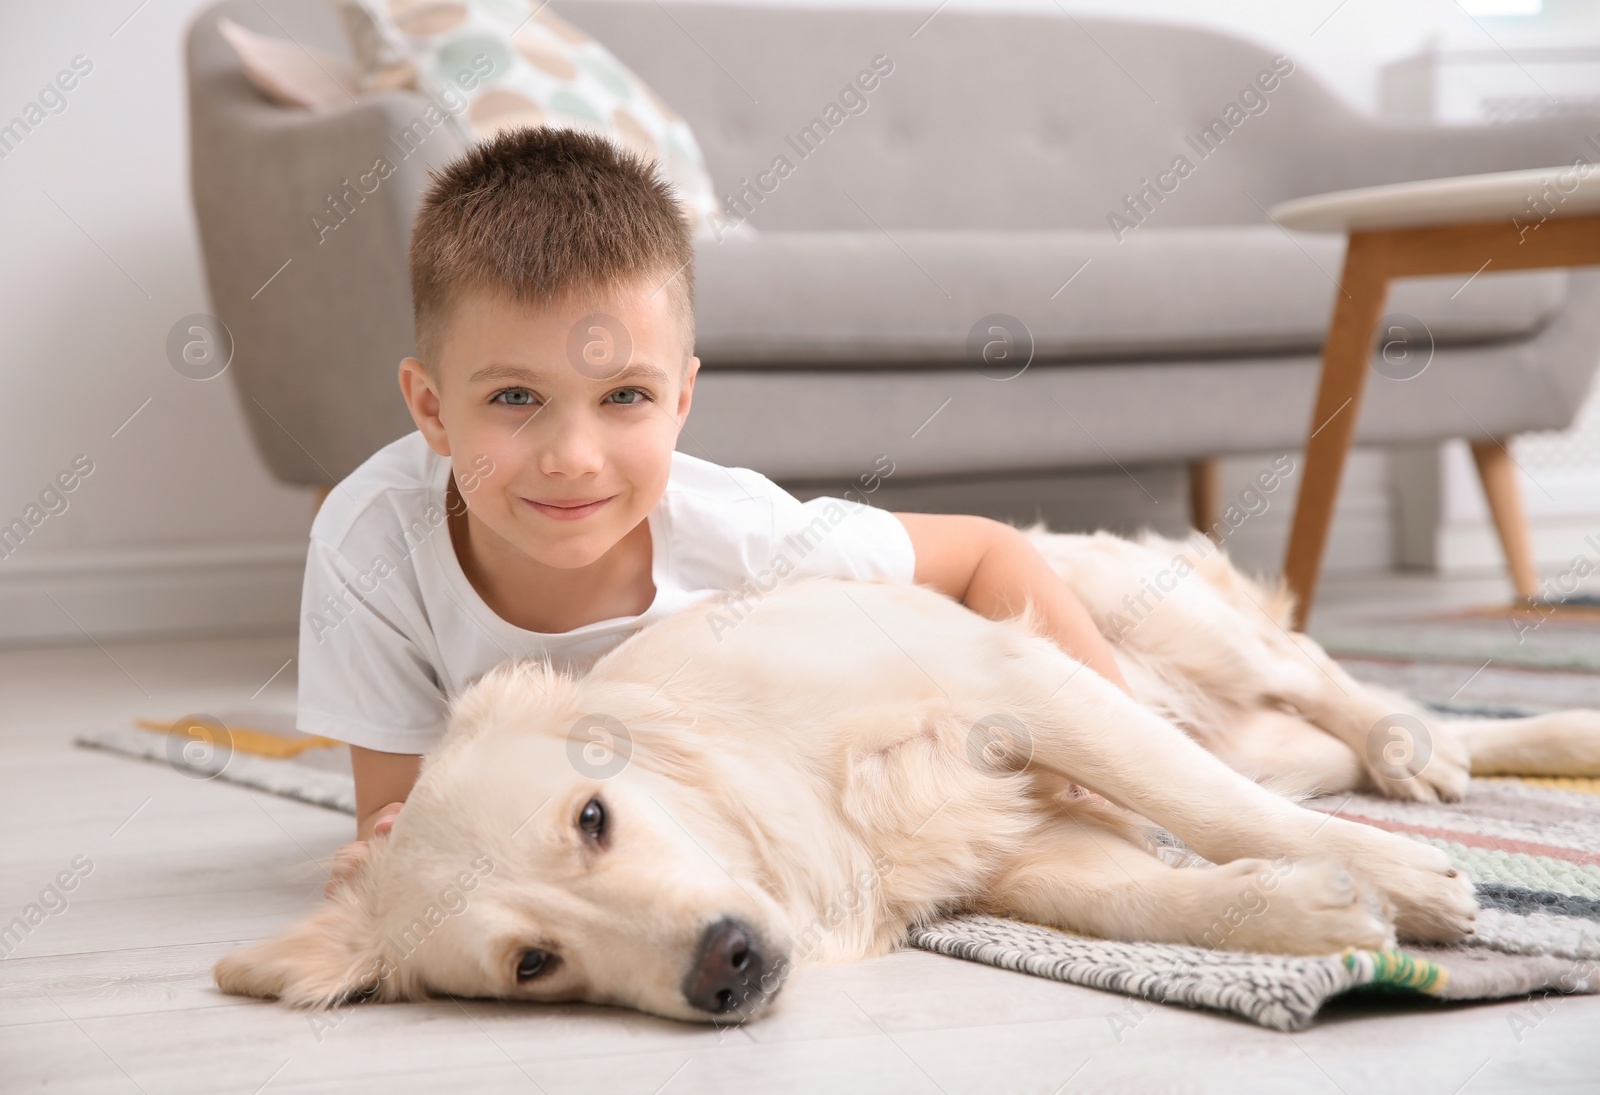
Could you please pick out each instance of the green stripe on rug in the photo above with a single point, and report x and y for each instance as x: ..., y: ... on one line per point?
x: 1531, y: 872
x: 1395, y: 969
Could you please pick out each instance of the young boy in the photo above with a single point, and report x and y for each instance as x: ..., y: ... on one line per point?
x: 542, y: 508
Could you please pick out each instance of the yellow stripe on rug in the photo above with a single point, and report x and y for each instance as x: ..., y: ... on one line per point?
x: 260, y: 743
x: 1587, y: 785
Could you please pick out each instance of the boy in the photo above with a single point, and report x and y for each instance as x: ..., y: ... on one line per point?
x: 541, y: 508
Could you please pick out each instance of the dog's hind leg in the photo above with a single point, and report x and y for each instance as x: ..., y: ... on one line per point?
x: 1283, y: 752
x: 1085, y: 878
x: 1441, y: 749
x: 1561, y: 743
x: 1226, y: 638
x: 1094, y: 734
x: 1403, y: 747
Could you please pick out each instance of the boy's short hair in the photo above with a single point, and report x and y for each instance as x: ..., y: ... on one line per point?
x: 537, y: 214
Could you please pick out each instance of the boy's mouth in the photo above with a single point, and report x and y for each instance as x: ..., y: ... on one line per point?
x: 568, y: 509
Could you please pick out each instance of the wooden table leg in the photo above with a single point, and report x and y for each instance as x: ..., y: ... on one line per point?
x: 1205, y: 494
x: 1499, y: 477
x: 1345, y: 357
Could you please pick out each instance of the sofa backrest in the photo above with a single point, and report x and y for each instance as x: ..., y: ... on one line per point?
x: 987, y: 120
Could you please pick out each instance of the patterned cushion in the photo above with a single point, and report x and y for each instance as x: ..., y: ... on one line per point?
x: 494, y: 64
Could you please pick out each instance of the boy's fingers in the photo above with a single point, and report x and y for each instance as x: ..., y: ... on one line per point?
x: 350, y: 857
x: 386, y: 818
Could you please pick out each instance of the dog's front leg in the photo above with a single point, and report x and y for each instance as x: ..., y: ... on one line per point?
x: 1092, y: 733
x: 1080, y: 875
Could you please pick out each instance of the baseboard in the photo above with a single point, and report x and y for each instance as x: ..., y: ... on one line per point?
x: 1360, y: 542
x: 1471, y: 548
x: 149, y: 592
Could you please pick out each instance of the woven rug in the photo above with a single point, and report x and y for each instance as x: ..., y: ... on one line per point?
x: 256, y: 747
x: 1532, y: 846
x: 1547, y: 636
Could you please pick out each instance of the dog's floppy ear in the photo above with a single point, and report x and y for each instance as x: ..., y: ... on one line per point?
x: 330, y: 957
x: 512, y: 689
x: 471, y: 708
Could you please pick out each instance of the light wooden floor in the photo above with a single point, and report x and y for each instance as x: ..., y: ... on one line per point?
x: 112, y: 993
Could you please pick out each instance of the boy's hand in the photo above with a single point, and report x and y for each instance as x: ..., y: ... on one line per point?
x: 993, y: 568
x: 347, y: 860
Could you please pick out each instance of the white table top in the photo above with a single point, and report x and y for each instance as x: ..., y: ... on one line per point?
x: 1529, y: 196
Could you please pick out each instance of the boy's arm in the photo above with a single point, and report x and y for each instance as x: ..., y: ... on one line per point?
x: 991, y: 568
x: 382, y: 779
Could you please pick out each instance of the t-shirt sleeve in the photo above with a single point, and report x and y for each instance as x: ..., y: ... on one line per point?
x: 840, y: 538
x: 363, y: 678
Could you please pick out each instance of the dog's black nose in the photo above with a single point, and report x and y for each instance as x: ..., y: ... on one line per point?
x: 727, y: 970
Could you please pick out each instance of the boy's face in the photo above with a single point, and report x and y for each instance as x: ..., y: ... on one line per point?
x: 559, y: 421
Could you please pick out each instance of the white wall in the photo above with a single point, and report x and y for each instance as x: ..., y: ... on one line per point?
x: 179, y: 525
x: 179, y: 521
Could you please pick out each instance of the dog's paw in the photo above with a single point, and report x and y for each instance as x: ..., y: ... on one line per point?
x: 1419, y: 763
x: 1433, y: 902
x: 1311, y: 907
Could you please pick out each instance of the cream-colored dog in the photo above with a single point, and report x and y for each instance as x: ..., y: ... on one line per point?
x: 746, y: 787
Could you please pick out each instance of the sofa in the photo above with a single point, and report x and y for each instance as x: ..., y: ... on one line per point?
x: 993, y: 262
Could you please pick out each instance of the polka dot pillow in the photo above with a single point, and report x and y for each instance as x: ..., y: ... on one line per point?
x: 493, y: 64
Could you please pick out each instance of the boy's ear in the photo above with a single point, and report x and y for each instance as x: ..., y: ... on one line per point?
x: 330, y: 957
x: 423, y: 403
x: 686, y: 389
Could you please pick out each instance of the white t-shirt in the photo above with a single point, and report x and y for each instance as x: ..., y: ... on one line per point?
x: 391, y: 630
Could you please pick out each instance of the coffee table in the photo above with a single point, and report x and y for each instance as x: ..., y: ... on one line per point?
x: 1514, y: 220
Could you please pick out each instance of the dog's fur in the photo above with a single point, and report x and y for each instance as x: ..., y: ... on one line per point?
x: 803, y: 776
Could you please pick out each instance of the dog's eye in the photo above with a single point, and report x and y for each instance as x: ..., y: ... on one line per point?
x: 592, y: 819
x: 532, y: 964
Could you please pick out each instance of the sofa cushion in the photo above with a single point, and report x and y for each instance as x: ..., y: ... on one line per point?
x: 290, y: 75
x: 519, y: 64
x: 875, y: 299
x: 829, y: 426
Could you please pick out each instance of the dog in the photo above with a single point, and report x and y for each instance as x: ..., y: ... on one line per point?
x: 799, y: 777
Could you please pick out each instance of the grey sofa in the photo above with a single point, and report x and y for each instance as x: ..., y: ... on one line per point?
x: 978, y: 180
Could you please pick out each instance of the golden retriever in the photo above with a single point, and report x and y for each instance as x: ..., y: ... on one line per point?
x: 752, y: 785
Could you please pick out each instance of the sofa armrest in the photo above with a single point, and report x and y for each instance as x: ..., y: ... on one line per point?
x: 304, y: 219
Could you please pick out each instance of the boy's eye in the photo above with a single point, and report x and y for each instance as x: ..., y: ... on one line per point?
x: 643, y: 396
x: 520, y: 397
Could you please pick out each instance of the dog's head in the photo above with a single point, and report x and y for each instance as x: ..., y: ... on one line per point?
x: 536, y: 859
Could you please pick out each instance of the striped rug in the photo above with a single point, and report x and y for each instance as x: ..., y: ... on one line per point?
x: 1547, y: 637
x: 1532, y: 847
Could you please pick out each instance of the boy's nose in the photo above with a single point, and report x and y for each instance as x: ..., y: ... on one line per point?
x: 572, y: 450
